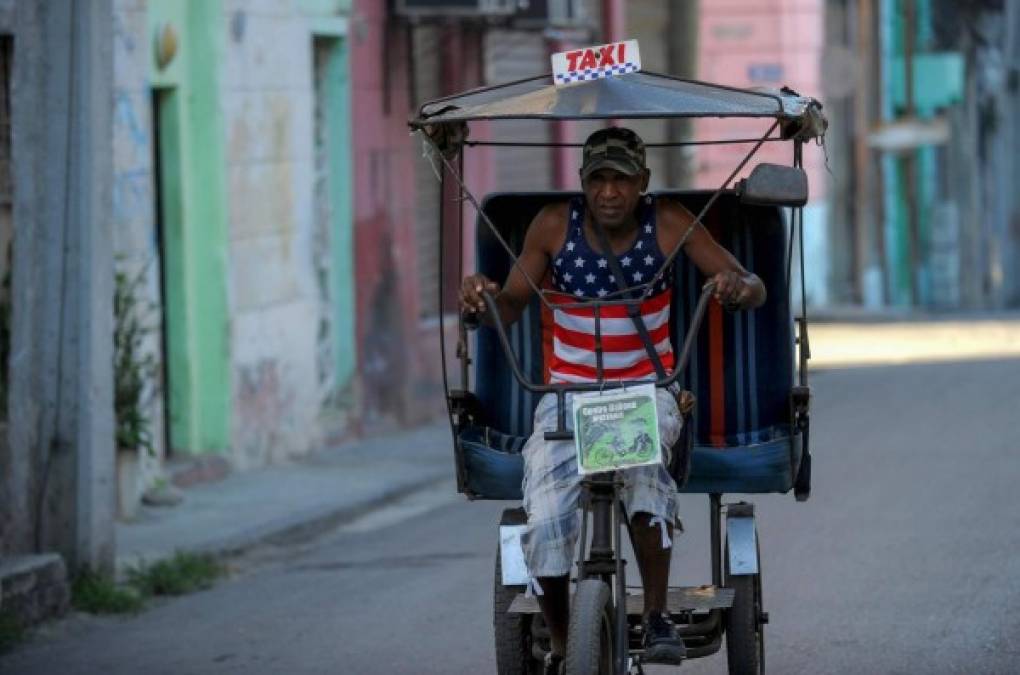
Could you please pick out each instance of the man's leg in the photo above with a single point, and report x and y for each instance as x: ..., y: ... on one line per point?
x: 653, y: 552
x: 650, y: 498
x: 653, y: 560
x: 555, y: 604
x: 551, y: 491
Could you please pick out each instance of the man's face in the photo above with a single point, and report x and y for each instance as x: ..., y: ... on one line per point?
x: 612, y: 196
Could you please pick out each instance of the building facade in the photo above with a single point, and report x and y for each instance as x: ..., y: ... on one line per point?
x: 233, y: 210
x: 282, y: 225
x: 253, y: 186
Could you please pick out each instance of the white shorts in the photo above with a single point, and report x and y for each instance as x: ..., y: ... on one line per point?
x: 552, y: 487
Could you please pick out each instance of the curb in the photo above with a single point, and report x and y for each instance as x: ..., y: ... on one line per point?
x: 301, y: 526
x: 34, y: 588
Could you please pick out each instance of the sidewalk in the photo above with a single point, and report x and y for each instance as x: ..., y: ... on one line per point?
x: 914, y: 339
x: 302, y: 498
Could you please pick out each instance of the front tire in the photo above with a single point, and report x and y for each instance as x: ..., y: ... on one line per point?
x: 745, y: 631
x: 590, y: 633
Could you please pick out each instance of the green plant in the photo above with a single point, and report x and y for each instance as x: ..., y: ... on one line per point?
x: 183, y: 573
x: 98, y: 594
x: 135, y: 369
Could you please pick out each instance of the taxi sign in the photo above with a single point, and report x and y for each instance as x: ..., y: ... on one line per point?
x: 594, y: 63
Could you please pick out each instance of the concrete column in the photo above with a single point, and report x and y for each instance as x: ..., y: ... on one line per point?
x: 614, y: 20
x: 682, y: 57
x: 61, y: 401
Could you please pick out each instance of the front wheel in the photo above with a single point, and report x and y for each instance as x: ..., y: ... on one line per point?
x: 745, y: 634
x: 590, y: 633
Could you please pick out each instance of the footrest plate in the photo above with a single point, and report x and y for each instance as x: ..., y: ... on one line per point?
x: 681, y: 599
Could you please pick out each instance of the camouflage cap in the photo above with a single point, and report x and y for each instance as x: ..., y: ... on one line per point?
x: 613, y: 148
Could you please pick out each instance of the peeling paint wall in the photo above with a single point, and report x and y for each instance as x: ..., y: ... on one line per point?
x: 268, y: 112
x: 263, y: 113
x: 286, y: 323
x: 134, y: 234
x: 399, y: 358
x: 193, y: 254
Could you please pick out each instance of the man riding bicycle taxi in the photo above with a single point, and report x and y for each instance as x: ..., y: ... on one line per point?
x: 570, y: 238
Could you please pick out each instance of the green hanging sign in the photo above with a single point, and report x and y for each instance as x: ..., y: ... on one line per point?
x: 616, y: 430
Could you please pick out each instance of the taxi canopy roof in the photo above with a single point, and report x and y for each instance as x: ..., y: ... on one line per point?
x: 630, y: 96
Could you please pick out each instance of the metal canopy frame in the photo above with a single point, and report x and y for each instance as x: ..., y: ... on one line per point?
x: 640, y: 95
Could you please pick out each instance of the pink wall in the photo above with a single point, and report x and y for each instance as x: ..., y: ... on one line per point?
x: 385, y: 264
x: 399, y: 362
x: 752, y: 43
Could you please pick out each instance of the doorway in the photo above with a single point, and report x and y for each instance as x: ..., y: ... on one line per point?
x: 334, y: 224
x: 167, y: 200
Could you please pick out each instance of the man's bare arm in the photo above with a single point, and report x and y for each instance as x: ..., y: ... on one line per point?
x: 735, y: 287
x: 513, y: 298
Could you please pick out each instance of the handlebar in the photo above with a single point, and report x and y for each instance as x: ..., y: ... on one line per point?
x: 562, y: 388
x: 562, y: 433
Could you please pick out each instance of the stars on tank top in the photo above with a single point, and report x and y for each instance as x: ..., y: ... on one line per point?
x: 583, y: 273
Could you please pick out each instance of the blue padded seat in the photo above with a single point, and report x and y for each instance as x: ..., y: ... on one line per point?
x: 741, y: 371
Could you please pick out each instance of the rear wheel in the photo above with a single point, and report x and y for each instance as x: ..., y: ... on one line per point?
x: 590, y: 634
x: 745, y: 630
x: 513, y: 632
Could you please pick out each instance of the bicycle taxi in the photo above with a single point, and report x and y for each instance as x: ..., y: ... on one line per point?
x: 746, y: 410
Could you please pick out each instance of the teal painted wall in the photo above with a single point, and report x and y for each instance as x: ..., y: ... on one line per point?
x: 195, y: 237
x: 338, y: 138
x: 938, y: 82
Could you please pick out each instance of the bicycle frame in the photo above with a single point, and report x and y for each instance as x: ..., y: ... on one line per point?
x: 602, y: 558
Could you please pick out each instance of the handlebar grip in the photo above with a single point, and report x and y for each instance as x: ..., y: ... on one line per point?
x: 471, y: 320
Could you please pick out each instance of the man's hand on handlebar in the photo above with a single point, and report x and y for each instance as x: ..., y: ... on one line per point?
x: 471, y: 289
x: 736, y: 291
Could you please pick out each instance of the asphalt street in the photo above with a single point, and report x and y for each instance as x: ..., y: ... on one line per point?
x: 905, y: 560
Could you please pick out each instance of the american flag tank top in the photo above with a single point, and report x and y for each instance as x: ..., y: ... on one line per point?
x: 582, y: 273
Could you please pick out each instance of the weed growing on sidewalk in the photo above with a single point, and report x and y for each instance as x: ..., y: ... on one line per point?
x: 99, y: 594
x: 11, y: 631
x: 183, y: 573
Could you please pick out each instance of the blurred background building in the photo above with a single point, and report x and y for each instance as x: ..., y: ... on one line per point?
x: 242, y: 172
x: 923, y: 96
